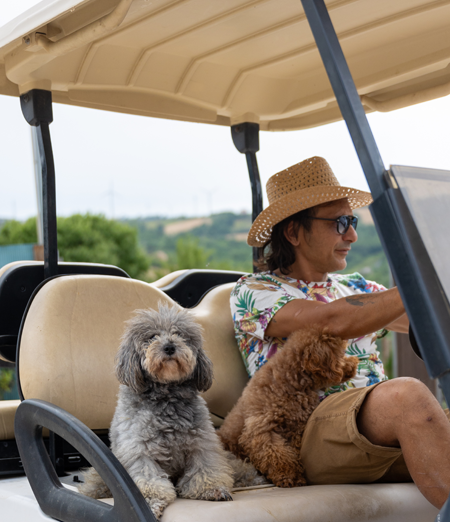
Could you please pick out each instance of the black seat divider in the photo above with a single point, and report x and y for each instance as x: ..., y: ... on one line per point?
x: 189, y: 288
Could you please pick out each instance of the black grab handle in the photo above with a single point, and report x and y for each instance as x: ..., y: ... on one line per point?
x: 59, y: 502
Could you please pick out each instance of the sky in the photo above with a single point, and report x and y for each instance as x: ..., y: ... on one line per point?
x: 130, y: 166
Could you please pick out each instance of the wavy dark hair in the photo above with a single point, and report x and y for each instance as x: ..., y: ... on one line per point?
x: 278, y: 252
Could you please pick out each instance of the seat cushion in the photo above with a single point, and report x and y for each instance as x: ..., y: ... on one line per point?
x: 336, y: 503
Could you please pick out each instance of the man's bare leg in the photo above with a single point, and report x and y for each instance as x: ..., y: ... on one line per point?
x: 404, y: 413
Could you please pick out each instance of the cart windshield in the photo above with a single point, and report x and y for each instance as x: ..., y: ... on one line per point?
x: 427, y: 195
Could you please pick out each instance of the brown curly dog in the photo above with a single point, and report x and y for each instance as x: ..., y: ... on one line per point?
x: 267, y: 423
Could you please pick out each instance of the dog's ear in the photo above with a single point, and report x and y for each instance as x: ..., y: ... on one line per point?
x: 128, y: 365
x: 203, y: 372
x: 323, y: 360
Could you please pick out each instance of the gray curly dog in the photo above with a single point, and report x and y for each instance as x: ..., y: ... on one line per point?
x: 161, y: 431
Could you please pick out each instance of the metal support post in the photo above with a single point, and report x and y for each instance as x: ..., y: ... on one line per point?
x: 427, y: 307
x: 346, y: 94
x: 37, y: 109
x: 246, y: 139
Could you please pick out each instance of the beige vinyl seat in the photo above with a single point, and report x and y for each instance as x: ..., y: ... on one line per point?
x: 69, y: 339
x: 72, y: 332
x: 7, y: 413
x: 8, y: 407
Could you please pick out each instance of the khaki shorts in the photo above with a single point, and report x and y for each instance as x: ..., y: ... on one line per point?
x: 334, y: 452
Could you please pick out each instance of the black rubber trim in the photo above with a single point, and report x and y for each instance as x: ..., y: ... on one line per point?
x: 8, y: 345
x: 190, y: 288
x: 54, y: 499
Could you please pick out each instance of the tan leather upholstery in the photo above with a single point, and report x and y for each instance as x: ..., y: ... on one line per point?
x: 7, y: 413
x: 72, y: 332
x: 214, y: 314
x: 337, y: 503
x: 71, y: 335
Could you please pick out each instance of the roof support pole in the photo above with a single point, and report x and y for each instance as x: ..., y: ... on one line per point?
x: 346, y: 94
x: 390, y: 213
x: 37, y: 109
x: 246, y: 139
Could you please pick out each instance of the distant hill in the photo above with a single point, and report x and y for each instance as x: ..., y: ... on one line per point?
x: 223, y: 238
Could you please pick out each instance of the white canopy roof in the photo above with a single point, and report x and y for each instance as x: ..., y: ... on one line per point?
x: 225, y: 62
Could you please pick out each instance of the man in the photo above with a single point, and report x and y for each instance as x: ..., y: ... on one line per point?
x: 368, y: 429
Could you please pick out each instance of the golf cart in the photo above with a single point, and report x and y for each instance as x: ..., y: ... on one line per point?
x: 252, y: 65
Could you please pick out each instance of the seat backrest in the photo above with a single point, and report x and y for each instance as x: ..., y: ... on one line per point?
x: 72, y: 332
x: 18, y: 281
x: 230, y: 377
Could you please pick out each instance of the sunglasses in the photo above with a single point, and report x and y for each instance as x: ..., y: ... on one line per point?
x: 343, y: 223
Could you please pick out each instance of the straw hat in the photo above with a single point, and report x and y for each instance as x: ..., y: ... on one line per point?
x: 301, y: 186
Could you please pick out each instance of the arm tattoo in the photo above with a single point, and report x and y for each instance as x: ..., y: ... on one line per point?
x: 359, y: 300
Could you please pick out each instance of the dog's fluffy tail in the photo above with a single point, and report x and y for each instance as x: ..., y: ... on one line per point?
x: 244, y: 473
x: 94, y: 486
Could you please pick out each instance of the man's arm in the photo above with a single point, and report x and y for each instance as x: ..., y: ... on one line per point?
x: 348, y: 317
x: 400, y: 325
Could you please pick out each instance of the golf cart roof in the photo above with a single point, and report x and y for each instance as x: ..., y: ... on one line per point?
x: 225, y: 62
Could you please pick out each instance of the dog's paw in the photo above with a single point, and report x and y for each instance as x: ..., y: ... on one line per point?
x: 216, y: 494
x: 93, y: 485
x: 157, y: 506
x: 289, y: 482
x: 350, y: 368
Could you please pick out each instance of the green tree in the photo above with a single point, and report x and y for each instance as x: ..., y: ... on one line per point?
x: 15, y: 232
x: 6, y: 380
x: 190, y: 254
x: 87, y: 238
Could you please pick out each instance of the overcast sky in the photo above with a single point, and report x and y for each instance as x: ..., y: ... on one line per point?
x: 127, y: 166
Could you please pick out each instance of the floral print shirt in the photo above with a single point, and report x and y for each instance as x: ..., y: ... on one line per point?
x: 256, y: 298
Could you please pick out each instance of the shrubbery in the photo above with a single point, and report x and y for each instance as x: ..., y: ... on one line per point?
x: 87, y: 238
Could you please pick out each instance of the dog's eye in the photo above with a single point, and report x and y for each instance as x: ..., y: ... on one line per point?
x: 150, y: 339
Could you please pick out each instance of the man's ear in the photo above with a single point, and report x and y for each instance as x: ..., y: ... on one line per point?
x: 291, y: 234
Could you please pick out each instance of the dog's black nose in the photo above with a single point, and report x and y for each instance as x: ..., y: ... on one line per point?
x: 169, y: 349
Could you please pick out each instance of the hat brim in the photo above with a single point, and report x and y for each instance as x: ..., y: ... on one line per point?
x: 261, y: 229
